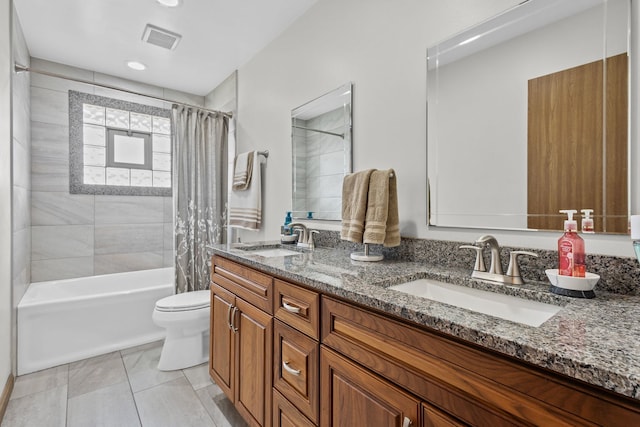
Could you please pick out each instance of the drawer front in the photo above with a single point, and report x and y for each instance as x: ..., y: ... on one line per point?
x: 297, y: 307
x: 432, y: 417
x: 296, y: 367
x: 252, y: 286
x: 287, y: 415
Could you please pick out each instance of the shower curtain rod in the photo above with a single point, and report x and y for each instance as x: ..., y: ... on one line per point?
x: 21, y: 68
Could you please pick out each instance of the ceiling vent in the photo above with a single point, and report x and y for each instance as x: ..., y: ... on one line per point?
x: 160, y: 37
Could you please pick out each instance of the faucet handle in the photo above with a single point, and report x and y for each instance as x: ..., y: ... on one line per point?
x: 514, y: 270
x: 310, y: 240
x: 479, y: 266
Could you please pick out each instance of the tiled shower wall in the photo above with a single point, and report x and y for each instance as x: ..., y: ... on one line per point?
x: 76, y: 235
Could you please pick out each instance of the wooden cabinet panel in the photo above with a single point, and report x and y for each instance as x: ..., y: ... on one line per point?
x: 298, y: 379
x: 221, y: 349
x: 297, y: 307
x: 252, y: 286
x: 287, y: 415
x: 254, y: 359
x: 352, y: 396
x: 433, y: 417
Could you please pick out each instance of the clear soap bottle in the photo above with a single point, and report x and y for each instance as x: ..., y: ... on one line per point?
x: 571, y: 259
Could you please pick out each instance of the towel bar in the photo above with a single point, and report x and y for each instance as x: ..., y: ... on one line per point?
x: 366, y: 256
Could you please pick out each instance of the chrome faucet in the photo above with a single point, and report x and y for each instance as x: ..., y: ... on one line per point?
x: 495, y: 273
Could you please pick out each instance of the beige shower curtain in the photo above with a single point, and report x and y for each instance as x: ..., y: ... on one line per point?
x: 199, y: 196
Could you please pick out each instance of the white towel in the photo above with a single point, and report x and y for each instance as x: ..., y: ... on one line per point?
x: 242, y: 170
x: 245, y: 207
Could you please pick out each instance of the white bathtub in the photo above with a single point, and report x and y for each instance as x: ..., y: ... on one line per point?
x: 62, y: 321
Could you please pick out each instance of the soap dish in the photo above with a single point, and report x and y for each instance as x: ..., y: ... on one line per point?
x: 579, y: 287
x: 288, y: 238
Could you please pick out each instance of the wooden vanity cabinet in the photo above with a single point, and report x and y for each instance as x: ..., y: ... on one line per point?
x: 241, y: 342
x: 296, y: 352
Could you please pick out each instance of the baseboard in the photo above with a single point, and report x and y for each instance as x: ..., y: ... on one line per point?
x: 6, y: 394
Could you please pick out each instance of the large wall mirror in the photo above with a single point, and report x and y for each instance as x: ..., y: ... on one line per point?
x: 528, y: 113
x: 321, y: 138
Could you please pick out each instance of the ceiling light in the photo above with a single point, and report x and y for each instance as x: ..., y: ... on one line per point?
x: 135, y: 65
x: 170, y: 3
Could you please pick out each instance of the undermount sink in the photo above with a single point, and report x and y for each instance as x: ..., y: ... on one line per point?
x: 519, y: 310
x: 274, y: 252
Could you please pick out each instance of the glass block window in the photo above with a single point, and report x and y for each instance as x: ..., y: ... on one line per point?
x: 118, y: 147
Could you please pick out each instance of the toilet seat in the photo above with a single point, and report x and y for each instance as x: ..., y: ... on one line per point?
x: 187, y: 301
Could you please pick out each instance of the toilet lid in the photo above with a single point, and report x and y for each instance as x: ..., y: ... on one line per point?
x: 184, y: 301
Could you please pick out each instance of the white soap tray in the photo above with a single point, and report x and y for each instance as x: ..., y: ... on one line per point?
x: 586, y: 283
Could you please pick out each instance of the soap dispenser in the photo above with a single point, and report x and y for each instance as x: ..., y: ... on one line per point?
x: 587, y: 221
x: 571, y: 259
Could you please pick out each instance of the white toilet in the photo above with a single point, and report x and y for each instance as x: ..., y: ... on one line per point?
x: 186, y: 318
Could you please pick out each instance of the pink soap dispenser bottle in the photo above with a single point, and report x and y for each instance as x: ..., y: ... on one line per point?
x: 571, y: 260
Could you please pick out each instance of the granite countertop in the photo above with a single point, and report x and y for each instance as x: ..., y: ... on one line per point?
x: 595, y: 340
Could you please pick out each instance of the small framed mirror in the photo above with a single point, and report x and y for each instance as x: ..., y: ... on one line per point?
x: 321, y: 154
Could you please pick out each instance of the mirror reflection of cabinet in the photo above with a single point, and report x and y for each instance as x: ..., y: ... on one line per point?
x: 321, y: 154
x: 479, y: 173
x: 568, y: 158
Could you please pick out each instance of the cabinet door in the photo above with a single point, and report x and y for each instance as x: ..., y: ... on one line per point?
x: 254, y: 358
x: 287, y: 415
x: 221, y: 347
x: 353, y: 396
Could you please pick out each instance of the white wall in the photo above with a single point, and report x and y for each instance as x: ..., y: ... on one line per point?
x: 5, y: 191
x: 380, y: 45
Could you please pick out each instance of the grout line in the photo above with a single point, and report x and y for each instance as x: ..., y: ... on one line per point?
x: 133, y: 396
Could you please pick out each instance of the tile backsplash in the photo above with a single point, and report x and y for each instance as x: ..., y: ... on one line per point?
x: 619, y: 275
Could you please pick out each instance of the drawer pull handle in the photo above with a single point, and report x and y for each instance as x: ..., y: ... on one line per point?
x: 290, y: 308
x: 233, y: 319
x: 292, y: 371
x: 407, y: 422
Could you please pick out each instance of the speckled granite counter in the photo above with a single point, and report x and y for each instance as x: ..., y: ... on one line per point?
x: 596, y: 341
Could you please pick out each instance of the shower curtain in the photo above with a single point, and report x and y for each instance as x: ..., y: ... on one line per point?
x: 199, y: 197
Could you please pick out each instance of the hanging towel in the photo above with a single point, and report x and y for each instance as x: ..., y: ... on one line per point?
x: 242, y: 170
x: 382, y: 221
x: 355, y: 189
x: 245, y: 207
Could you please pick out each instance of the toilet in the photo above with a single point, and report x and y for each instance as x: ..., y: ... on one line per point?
x: 186, y: 319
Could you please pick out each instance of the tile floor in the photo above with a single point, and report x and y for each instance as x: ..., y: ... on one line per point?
x: 119, y: 389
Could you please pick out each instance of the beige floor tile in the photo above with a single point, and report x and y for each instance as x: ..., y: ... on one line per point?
x: 198, y: 376
x: 40, y: 381
x: 45, y: 409
x: 142, y: 369
x: 171, y: 404
x: 97, y: 372
x: 107, y: 406
x: 220, y: 409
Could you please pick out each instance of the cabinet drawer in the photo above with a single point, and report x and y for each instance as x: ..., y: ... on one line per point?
x: 252, y: 286
x: 295, y: 368
x: 432, y: 417
x: 287, y: 415
x: 297, y: 307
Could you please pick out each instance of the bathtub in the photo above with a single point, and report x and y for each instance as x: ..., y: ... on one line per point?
x: 61, y: 321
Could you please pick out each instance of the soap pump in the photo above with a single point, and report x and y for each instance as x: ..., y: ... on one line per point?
x: 571, y: 260
x: 587, y: 221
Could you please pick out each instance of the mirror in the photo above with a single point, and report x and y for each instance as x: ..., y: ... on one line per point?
x: 528, y: 114
x: 321, y: 139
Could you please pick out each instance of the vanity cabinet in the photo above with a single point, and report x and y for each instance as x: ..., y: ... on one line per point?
x: 241, y: 342
x: 296, y: 352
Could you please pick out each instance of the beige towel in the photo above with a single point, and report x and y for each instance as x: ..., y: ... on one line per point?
x: 245, y: 207
x: 355, y: 189
x: 382, y: 221
x: 243, y: 168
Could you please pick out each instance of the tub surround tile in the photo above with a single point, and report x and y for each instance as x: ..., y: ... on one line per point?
x: 21, y: 166
x: 61, y: 268
x: 40, y: 381
x: 46, y: 82
x: 61, y: 208
x: 44, y: 409
x: 129, y: 210
x: 92, y: 374
x: 21, y: 211
x: 170, y: 404
x: 62, y: 241
x: 119, y: 263
x: 142, y: 368
x: 49, y: 157
x: 108, y: 406
x: 126, y: 238
x: 49, y: 106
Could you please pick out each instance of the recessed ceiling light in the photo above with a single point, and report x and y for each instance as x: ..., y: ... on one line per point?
x: 135, y: 65
x: 170, y: 3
